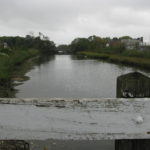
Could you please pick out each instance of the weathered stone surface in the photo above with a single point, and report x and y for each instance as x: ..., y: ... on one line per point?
x: 84, y: 119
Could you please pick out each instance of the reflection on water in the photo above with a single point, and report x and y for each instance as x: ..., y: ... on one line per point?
x: 69, y: 76
x: 44, y: 60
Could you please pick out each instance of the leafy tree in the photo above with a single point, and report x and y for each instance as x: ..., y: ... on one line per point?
x: 41, y: 43
x: 80, y: 44
x: 125, y: 37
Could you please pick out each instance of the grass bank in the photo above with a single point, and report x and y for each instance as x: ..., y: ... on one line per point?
x: 143, y: 63
x: 8, y: 64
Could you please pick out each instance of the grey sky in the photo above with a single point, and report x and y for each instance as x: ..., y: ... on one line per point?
x: 64, y: 20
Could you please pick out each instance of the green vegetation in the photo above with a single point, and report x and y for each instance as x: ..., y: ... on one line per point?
x: 7, y: 63
x: 16, y: 50
x: 97, y: 44
x: 114, y: 50
x: 134, y: 61
x: 136, y: 53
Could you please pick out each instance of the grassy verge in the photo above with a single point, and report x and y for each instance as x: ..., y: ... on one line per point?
x: 8, y: 64
x: 133, y: 61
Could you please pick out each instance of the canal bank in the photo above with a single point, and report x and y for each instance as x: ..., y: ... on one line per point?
x: 142, y: 63
x: 11, y: 68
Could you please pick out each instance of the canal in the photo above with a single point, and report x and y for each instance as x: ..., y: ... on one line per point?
x: 70, y: 76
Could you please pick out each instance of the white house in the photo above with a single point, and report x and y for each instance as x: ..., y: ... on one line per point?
x: 5, y: 45
x: 107, y: 45
x: 132, y: 44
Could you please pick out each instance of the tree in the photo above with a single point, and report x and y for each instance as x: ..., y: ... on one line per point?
x: 125, y: 37
x: 80, y: 44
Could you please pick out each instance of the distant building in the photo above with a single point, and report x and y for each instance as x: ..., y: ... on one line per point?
x: 115, y: 42
x: 5, y: 45
x: 133, y: 44
x: 107, y: 45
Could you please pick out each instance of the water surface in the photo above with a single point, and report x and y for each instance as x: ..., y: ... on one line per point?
x: 70, y: 77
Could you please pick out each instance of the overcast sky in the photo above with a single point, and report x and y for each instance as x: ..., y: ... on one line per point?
x: 64, y: 20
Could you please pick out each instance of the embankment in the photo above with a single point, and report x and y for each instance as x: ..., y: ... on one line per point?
x: 143, y: 63
x: 8, y: 65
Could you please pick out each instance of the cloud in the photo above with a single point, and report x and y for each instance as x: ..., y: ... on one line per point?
x: 64, y: 20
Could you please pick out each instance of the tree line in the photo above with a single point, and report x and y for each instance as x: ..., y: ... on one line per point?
x: 40, y: 43
x: 96, y: 44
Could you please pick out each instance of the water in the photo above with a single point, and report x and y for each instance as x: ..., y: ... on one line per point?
x: 70, y: 77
